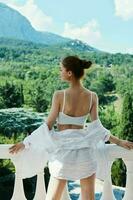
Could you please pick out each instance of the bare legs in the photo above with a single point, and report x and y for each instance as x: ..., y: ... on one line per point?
x: 88, y: 188
x: 55, y: 188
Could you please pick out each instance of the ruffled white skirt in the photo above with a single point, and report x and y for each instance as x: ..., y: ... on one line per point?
x: 71, y: 154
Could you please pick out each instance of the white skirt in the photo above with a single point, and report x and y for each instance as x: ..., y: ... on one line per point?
x: 72, y: 154
x: 72, y: 163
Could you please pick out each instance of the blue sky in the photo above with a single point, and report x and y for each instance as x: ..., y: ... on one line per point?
x: 103, y: 24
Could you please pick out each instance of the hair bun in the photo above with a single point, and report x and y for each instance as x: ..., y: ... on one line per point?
x: 85, y: 64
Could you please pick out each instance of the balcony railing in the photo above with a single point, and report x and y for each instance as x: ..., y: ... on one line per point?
x: 114, y: 152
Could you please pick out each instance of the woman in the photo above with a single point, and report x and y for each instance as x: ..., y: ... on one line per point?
x: 71, y: 107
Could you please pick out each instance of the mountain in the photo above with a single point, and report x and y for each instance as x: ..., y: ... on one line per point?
x: 13, y: 25
x: 16, y: 26
x: 77, y: 45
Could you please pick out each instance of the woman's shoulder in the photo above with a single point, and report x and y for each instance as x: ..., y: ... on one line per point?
x: 58, y: 93
x: 94, y: 95
x: 91, y: 92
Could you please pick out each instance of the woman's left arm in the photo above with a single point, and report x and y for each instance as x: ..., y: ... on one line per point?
x: 54, y: 111
x: 123, y: 143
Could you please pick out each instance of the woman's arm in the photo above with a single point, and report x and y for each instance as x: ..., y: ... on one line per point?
x: 94, y: 108
x: 113, y: 139
x: 123, y: 143
x: 50, y: 120
x: 54, y: 111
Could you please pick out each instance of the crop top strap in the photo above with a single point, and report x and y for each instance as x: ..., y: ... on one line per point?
x: 64, y: 101
x: 90, y: 102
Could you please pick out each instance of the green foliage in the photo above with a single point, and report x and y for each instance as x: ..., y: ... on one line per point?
x: 39, y: 54
x: 110, y: 119
x: 119, y: 173
x: 101, y: 81
x: 39, y: 97
x: 29, y: 64
x: 40, y: 92
x: 11, y: 95
x: 125, y: 132
x: 123, y: 77
x: 127, y: 118
x: 14, y: 122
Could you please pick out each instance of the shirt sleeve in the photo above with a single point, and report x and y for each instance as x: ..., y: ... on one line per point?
x: 98, y: 131
x: 40, y: 139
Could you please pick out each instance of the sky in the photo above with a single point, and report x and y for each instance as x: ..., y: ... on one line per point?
x: 104, y: 24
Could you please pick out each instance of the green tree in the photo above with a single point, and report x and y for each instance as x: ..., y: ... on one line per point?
x: 38, y: 96
x: 127, y: 117
x: 11, y: 94
x: 126, y: 127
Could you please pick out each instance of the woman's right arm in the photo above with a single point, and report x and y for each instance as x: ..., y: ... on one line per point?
x: 94, y: 108
x: 50, y: 120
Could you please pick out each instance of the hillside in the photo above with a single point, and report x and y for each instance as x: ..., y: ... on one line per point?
x: 18, y: 27
x: 38, y: 54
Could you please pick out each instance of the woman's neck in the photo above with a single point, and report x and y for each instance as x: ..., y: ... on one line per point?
x: 76, y: 84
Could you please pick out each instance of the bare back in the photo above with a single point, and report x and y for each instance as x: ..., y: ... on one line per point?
x: 77, y: 103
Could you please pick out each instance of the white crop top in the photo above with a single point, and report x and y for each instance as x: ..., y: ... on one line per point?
x: 67, y: 119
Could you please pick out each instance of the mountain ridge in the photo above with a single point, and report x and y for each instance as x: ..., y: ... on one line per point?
x: 18, y: 27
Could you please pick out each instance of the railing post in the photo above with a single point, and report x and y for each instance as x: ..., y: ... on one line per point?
x: 107, y: 187
x: 40, y: 193
x: 114, y: 152
x: 18, y: 192
x: 129, y: 180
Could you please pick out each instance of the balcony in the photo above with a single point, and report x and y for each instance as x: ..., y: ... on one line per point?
x: 114, y: 152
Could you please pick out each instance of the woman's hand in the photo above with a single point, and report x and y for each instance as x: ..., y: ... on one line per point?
x: 126, y: 144
x: 17, y: 147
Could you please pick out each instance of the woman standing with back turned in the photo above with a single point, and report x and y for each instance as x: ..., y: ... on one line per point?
x: 74, y: 158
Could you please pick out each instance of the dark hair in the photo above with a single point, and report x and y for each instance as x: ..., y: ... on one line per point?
x: 76, y: 65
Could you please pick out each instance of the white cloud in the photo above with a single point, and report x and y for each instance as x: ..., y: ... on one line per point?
x: 8, y: 1
x: 124, y: 9
x: 88, y: 33
x: 39, y: 20
x: 129, y: 50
